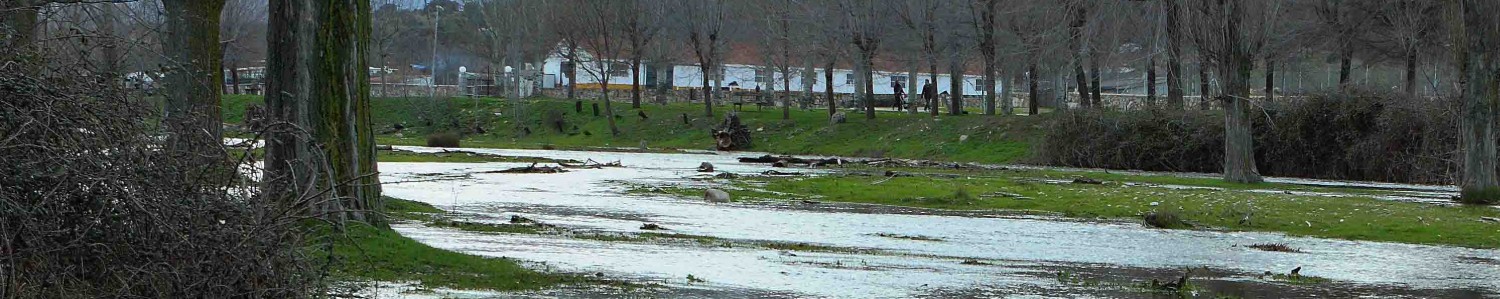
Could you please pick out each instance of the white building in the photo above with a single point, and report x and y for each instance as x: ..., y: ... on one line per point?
x: 744, y: 76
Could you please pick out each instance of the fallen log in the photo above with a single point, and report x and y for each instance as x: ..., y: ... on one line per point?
x: 530, y: 169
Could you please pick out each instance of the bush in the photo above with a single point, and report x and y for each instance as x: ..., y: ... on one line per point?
x: 1165, y: 219
x: 1356, y: 136
x: 94, y: 205
x: 442, y: 140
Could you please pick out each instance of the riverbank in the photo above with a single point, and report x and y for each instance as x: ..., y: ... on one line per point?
x: 968, y: 138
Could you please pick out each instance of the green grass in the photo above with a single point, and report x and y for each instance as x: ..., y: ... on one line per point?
x: 371, y: 253
x: 896, y: 135
x: 1353, y: 217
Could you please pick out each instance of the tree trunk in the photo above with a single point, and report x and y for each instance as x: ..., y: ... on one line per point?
x: 809, y: 75
x: 1204, y: 93
x: 1075, y: 33
x: 195, y: 81
x: 1234, y: 71
x: 987, y: 47
x: 635, y: 83
x: 1346, y: 61
x: 318, y: 80
x: 828, y: 87
x: 786, y: 90
x: 571, y: 71
x: 1174, y: 57
x: 1007, y: 104
x: 869, y: 85
x: 708, y: 93
x: 1151, y: 81
x: 1032, y: 95
x: 609, y: 110
x: 1094, y: 80
x: 955, y: 86
x: 1478, y: 96
x: 911, y: 87
x: 1410, y: 84
x: 1270, y: 79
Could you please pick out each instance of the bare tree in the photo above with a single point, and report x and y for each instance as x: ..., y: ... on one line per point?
x: 1233, y: 46
x: 1174, y: 53
x: 705, y: 20
x: 605, y: 40
x: 640, y: 28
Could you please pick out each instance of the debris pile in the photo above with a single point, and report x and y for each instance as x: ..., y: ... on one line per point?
x: 731, y: 134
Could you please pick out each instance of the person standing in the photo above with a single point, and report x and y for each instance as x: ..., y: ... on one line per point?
x: 900, y: 93
x: 929, y: 93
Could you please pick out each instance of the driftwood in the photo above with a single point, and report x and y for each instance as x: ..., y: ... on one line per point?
x: 786, y: 161
x: 591, y: 164
x: 531, y: 169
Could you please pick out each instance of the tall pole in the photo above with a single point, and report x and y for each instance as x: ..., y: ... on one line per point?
x: 432, y: 84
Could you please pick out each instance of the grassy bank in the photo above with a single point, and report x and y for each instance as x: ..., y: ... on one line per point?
x: 363, y: 252
x: 1352, y: 215
x: 891, y: 134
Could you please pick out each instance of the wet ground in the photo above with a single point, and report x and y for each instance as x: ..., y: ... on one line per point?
x: 893, y: 252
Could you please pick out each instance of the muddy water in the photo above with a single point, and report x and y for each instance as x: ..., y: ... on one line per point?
x: 1016, y: 255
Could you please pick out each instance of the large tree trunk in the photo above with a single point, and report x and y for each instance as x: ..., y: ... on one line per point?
x: 1007, y: 105
x: 1410, y: 84
x: 869, y: 84
x: 571, y: 71
x: 635, y: 82
x: 911, y: 87
x: 1479, y: 94
x: 1270, y: 80
x: 987, y: 46
x: 1174, y: 57
x: 195, y: 79
x: 317, y: 80
x: 1033, y: 102
x: 1151, y: 81
x: 1204, y: 93
x: 708, y: 92
x: 786, y: 90
x: 1346, y: 61
x: 955, y: 86
x: 809, y: 76
x: 1075, y: 40
x: 828, y: 87
x: 1094, y: 80
x: 1234, y: 71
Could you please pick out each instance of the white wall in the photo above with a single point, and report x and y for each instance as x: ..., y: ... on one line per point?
x: 689, y: 76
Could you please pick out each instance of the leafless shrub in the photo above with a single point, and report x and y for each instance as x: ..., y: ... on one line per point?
x: 92, y: 205
x: 1355, y: 136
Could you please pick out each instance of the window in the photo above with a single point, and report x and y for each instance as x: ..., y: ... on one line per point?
x: 762, y: 76
x: 618, y: 69
x: 848, y: 78
x: 978, y: 84
x: 901, y: 79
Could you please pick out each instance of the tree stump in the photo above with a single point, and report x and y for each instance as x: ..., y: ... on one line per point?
x: 731, y: 134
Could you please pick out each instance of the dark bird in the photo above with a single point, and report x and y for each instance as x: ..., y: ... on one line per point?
x: 642, y: 113
x: 1296, y: 272
x: 526, y: 130
x: 398, y: 127
x: 587, y: 133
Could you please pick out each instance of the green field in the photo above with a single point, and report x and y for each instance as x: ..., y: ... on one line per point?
x: 891, y: 134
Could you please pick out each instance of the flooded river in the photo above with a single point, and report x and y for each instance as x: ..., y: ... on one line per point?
x: 971, y: 254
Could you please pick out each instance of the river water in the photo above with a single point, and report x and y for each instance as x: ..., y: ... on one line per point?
x: 1015, y: 255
